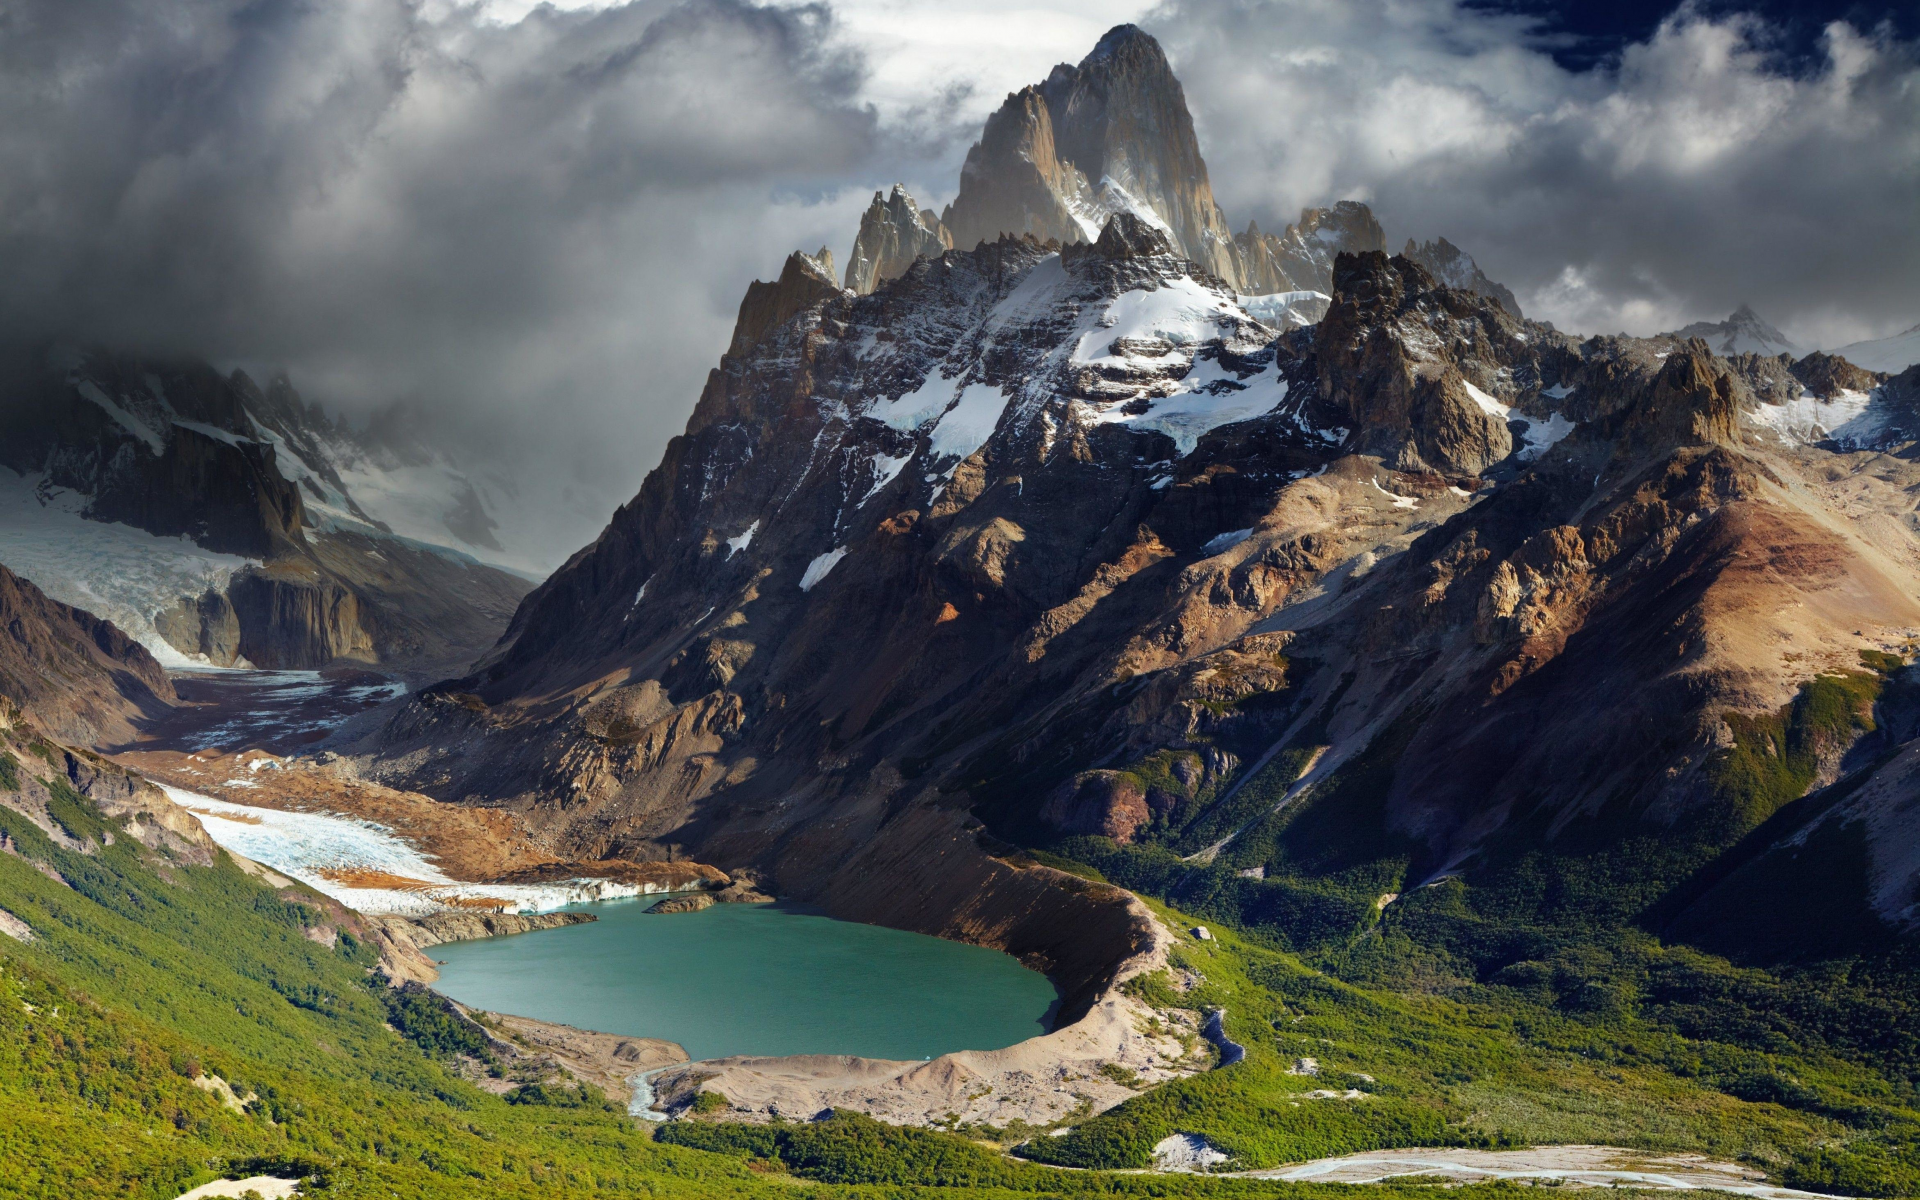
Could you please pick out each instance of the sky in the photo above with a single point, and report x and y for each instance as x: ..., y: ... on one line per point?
x: 533, y: 223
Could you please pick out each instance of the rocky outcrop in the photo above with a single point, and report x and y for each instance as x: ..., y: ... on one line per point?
x: 1301, y: 258
x: 1110, y: 135
x: 438, y: 928
x: 893, y: 233
x: 82, y: 679
x: 1828, y: 375
x: 683, y: 904
x: 1455, y: 268
x: 806, y: 280
x: 1407, y: 393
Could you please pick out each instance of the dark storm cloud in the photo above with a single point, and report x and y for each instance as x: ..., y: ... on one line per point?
x: 542, y: 227
x: 1696, y: 171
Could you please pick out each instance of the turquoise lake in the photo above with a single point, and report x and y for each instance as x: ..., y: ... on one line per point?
x: 754, y: 979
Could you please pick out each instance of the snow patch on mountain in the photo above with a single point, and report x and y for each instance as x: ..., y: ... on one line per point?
x: 1537, y: 435
x: 1162, y: 330
x: 736, y: 544
x: 886, y: 469
x: 1849, y: 418
x: 127, y: 575
x: 1891, y: 354
x: 818, y: 568
x: 328, y: 852
x: 1287, y: 310
x: 125, y: 419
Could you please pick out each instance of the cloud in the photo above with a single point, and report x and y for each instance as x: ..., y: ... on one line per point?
x: 535, y: 223
x: 541, y: 228
x: 1699, y: 170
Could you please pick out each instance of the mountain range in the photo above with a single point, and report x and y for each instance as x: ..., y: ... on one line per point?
x: 220, y: 522
x: 1502, y: 696
x: 1063, y: 537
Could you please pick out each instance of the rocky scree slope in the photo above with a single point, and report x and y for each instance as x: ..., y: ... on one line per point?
x: 255, y: 482
x: 1034, y: 543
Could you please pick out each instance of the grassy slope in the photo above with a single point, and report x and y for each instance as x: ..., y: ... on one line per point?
x: 1464, y: 1015
x: 1528, y: 1001
x: 146, y: 973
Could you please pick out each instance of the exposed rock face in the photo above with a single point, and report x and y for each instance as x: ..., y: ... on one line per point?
x: 1107, y: 803
x: 1301, y: 258
x: 82, y: 678
x: 893, y: 233
x: 683, y: 904
x: 1455, y: 267
x: 1828, y: 375
x: 971, y: 557
x: 805, y: 281
x: 1111, y: 135
x: 178, y: 450
x: 435, y: 929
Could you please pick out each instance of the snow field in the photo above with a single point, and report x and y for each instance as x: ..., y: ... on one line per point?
x: 127, y: 575
x: 318, y: 849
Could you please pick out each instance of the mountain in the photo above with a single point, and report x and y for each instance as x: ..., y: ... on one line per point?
x: 1110, y: 135
x: 1890, y: 354
x: 1455, y: 267
x: 84, y: 680
x: 893, y: 233
x: 217, y: 521
x: 1045, y: 541
x: 1742, y: 333
x: 1113, y: 135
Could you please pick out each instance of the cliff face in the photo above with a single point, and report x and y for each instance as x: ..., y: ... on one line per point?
x: 1110, y: 135
x: 245, y: 482
x: 893, y: 233
x: 81, y: 678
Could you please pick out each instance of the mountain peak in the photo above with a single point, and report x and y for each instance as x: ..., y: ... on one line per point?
x: 1123, y: 41
x: 1110, y: 135
x: 1743, y: 332
x: 894, y: 233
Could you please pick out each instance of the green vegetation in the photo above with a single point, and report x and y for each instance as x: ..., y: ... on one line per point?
x: 9, y: 772
x: 707, y: 1103
x: 147, y: 975
x: 1774, y: 758
x: 1545, y: 994
x: 1531, y: 998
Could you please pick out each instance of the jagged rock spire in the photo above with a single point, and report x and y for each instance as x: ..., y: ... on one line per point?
x: 1110, y: 135
x: 1455, y: 267
x: 805, y: 281
x: 893, y: 233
